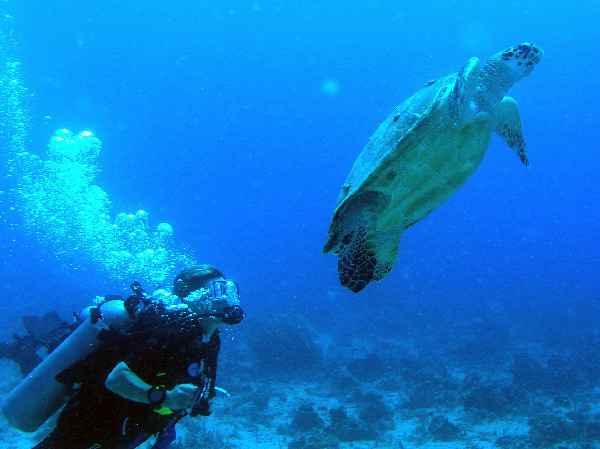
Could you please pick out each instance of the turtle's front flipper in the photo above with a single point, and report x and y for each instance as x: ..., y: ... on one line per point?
x: 509, y: 127
x: 367, y: 255
x: 356, y: 260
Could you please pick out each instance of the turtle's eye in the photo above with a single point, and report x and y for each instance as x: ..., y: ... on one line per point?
x: 507, y: 55
x: 347, y: 239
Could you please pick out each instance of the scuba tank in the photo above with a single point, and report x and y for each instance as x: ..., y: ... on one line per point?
x: 39, y: 395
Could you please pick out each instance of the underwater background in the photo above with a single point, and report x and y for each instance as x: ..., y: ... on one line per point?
x: 237, y: 123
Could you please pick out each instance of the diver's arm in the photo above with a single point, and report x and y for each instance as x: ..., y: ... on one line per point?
x: 126, y: 383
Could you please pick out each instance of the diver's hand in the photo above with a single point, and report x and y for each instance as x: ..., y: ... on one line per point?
x: 180, y: 397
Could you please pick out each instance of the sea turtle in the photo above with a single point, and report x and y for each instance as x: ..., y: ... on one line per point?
x: 420, y: 156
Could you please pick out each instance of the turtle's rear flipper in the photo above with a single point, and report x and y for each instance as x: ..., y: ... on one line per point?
x: 510, y: 128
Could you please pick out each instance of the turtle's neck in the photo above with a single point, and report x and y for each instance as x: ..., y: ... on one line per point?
x: 495, y: 79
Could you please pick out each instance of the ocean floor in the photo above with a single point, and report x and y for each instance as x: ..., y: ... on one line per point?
x: 384, y: 393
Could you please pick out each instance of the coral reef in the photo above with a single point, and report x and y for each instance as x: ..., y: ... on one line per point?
x: 433, y: 392
x: 370, y: 367
x: 559, y: 374
x: 373, y: 409
x: 441, y: 429
x: 487, y: 399
x: 316, y: 440
x: 527, y: 372
x: 512, y: 442
x: 286, y: 343
x: 547, y: 430
x: 347, y: 428
x: 306, y: 419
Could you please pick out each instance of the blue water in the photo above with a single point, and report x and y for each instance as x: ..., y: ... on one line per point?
x: 214, y: 118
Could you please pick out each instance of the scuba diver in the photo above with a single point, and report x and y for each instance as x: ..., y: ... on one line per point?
x: 140, y: 381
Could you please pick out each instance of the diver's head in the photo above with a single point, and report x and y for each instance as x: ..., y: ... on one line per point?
x: 194, y: 278
x: 205, y: 291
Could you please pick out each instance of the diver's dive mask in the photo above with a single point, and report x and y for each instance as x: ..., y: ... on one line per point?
x: 228, y: 290
x: 220, y: 299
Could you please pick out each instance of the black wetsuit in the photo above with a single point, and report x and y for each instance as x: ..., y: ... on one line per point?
x: 162, y: 347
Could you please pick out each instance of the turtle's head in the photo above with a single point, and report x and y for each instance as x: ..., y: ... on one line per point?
x: 522, y: 58
x: 503, y: 70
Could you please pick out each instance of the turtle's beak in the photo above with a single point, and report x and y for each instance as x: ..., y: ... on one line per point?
x: 531, y: 52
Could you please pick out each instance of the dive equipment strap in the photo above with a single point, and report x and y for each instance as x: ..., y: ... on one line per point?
x: 96, y: 318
